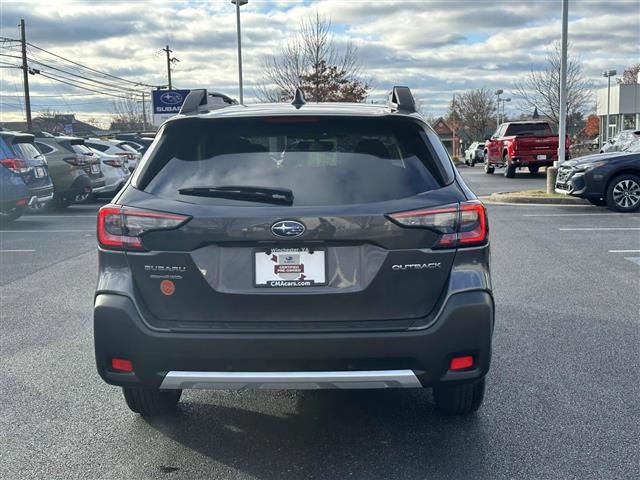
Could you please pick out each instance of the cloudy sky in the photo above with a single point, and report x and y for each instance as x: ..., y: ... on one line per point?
x: 437, y: 48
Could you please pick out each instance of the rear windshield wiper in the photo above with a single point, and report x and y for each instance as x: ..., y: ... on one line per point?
x: 278, y: 196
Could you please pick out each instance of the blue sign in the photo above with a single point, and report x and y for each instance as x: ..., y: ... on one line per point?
x: 168, y: 102
x: 68, y: 128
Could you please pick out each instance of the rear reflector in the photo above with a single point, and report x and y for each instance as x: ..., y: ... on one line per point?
x: 121, y: 364
x: 459, y: 225
x: 120, y: 228
x: 461, y: 363
x: 21, y: 202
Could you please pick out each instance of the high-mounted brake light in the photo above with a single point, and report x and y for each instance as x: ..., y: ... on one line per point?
x: 120, y: 228
x: 459, y: 225
x: 16, y: 165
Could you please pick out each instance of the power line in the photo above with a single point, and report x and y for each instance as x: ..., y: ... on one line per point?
x: 92, y: 69
x: 83, y: 88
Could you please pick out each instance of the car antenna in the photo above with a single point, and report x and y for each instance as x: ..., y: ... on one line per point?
x: 298, y: 100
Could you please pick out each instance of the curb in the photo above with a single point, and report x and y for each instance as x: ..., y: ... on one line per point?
x: 508, y: 198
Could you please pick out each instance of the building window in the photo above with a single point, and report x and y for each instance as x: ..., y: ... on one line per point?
x: 628, y: 122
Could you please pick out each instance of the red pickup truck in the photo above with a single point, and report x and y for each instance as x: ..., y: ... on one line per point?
x: 530, y: 144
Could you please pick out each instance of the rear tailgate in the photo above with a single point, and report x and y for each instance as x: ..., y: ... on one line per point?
x: 374, y: 269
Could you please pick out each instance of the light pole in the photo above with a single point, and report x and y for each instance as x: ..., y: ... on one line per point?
x: 498, y: 93
x: 238, y: 4
x: 608, y: 74
x: 504, y: 100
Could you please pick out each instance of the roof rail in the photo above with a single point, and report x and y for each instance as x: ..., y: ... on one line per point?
x: 298, y: 98
x: 401, y: 100
x: 199, y: 101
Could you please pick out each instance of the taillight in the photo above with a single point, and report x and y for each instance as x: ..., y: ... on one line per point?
x: 460, y: 225
x: 120, y: 228
x: 114, y: 163
x: 16, y: 165
x: 78, y: 160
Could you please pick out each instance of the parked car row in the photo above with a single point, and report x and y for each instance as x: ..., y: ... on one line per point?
x: 40, y: 171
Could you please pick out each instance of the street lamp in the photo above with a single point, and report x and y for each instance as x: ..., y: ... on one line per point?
x: 608, y: 74
x: 238, y: 4
x: 498, y: 93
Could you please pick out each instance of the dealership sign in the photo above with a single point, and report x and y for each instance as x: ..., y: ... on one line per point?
x: 167, y: 103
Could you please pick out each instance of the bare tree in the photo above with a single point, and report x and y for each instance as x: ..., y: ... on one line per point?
x: 126, y: 114
x: 541, y: 89
x: 630, y: 75
x: 311, y: 60
x: 476, y: 110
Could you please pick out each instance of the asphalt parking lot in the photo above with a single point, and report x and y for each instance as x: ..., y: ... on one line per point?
x: 562, y: 399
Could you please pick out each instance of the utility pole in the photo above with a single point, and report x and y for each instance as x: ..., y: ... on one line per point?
x: 144, y: 112
x: 25, y: 76
x: 169, y: 61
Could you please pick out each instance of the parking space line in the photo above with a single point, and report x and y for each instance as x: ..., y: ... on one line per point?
x: 16, y: 251
x: 572, y: 214
x: 624, y: 251
x: 47, y: 231
x: 590, y: 229
x: 67, y: 216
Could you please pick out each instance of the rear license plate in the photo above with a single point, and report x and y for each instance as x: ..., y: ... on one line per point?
x: 95, y: 168
x: 542, y: 157
x: 290, y: 267
x: 40, y: 172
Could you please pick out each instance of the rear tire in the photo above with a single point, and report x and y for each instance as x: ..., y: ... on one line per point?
x: 10, y: 217
x: 623, y: 193
x: 509, y: 169
x: 533, y: 169
x: 488, y: 168
x: 150, y: 402
x: 459, y: 399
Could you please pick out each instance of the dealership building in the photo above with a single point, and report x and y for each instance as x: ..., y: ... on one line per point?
x: 624, y: 108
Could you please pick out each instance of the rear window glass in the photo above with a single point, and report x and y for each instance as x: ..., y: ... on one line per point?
x: 528, y: 129
x: 5, y: 150
x: 127, y: 148
x: 81, y: 149
x: 323, y: 161
x: 27, y: 151
x: 98, y: 146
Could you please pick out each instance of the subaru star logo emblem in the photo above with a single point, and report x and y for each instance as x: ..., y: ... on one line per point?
x: 287, y: 228
x: 171, y: 98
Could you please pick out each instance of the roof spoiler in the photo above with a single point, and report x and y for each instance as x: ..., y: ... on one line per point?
x: 199, y: 101
x: 401, y: 100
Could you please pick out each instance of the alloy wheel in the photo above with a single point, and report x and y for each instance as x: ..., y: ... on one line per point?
x: 626, y: 193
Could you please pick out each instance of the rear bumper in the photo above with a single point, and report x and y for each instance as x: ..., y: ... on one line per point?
x: 82, y: 184
x: 463, y: 327
x: 41, y: 194
x: 526, y: 159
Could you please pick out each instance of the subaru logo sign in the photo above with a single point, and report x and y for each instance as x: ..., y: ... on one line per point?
x: 287, y: 228
x: 171, y: 98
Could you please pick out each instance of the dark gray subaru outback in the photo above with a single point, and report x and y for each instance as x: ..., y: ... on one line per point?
x: 294, y: 246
